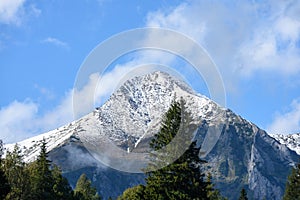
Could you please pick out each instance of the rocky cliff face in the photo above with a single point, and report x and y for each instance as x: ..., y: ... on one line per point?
x: 246, y: 156
x: 239, y: 154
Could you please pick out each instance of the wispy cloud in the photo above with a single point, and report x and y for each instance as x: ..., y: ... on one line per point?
x: 47, y: 93
x: 22, y: 119
x: 9, y: 11
x: 15, y: 11
x: 286, y: 122
x: 56, y: 42
x: 243, y: 37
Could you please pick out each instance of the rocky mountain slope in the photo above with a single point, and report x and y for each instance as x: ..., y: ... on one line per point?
x: 292, y: 141
x: 239, y: 154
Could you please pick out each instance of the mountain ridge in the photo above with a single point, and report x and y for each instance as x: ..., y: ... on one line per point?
x: 132, y: 115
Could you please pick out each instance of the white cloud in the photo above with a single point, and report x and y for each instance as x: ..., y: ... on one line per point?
x: 288, y: 28
x: 242, y: 37
x: 56, y: 42
x: 273, y: 49
x: 287, y: 122
x: 179, y: 19
x: 16, y: 11
x: 98, y: 89
x: 58, y: 116
x: 16, y: 120
x: 9, y: 11
x: 20, y: 120
x: 83, y: 102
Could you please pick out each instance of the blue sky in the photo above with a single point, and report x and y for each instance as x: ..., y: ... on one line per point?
x: 254, y: 44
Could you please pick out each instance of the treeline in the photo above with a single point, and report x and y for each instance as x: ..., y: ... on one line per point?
x: 39, y: 180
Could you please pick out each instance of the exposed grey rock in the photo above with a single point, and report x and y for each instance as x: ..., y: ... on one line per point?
x: 239, y: 154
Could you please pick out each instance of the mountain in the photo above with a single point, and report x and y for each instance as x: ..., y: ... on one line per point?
x: 292, y: 141
x: 239, y: 153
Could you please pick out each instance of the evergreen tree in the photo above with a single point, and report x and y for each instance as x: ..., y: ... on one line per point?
x: 169, y: 127
x: 212, y: 193
x: 61, y: 188
x: 292, y: 190
x: 181, y: 179
x: 37, y: 180
x: 42, y: 181
x: 17, y: 175
x: 243, y: 195
x: 4, y: 185
x: 84, y: 189
x: 134, y: 193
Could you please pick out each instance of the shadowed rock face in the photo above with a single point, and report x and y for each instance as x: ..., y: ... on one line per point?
x: 243, y: 156
x: 246, y: 156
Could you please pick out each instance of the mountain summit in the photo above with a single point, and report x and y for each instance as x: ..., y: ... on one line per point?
x: 239, y: 154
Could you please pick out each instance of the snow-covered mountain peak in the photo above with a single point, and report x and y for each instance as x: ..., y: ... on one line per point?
x: 135, y: 110
x: 132, y: 113
x: 158, y: 78
x: 240, y: 152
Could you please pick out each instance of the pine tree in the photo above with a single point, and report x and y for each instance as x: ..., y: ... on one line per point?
x: 18, y: 178
x: 134, y: 193
x: 61, y: 188
x: 37, y: 180
x: 169, y: 127
x: 181, y: 179
x: 212, y: 193
x: 243, y: 195
x: 4, y: 185
x: 292, y: 190
x: 41, y: 177
x: 84, y: 189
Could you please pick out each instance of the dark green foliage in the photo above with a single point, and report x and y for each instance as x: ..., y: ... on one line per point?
x: 176, y: 172
x: 169, y: 127
x: 243, y: 195
x: 4, y: 185
x: 134, y: 193
x: 36, y: 180
x: 292, y: 190
x: 17, y: 174
x: 212, y: 194
x: 46, y: 180
x: 181, y: 179
x: 176, y: 169
x: 84, y: 189
x: 39, y: 179
x: 61, y: 188
x: 41, y: 176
